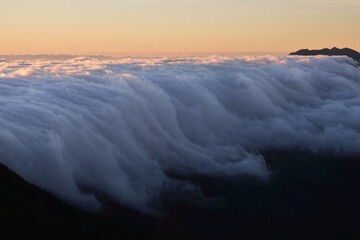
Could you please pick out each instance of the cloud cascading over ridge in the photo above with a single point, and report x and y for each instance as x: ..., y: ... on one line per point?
x: 119, y: 126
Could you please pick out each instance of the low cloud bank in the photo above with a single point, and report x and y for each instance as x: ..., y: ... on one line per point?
x: 119, y: 126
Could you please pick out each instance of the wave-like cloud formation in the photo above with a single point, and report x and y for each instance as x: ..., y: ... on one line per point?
x: 118, y: 127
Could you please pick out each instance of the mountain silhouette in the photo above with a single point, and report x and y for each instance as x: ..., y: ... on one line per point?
x: 309, y: 197
x: 330, y: 52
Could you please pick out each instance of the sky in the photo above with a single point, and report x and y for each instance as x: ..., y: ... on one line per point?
x: 176, y: 26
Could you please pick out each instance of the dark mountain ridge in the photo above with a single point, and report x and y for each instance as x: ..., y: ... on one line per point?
x: 329, y: 52
x: 308, y: 197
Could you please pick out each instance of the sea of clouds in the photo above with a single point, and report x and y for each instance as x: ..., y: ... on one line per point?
x: 120, y: 126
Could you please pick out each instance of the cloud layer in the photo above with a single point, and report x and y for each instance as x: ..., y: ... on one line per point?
x: 117, y: 127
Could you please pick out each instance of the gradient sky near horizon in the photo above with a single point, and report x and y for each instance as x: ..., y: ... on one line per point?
x: 176, y: 26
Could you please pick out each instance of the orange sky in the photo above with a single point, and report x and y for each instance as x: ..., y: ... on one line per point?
x: 176, y: 26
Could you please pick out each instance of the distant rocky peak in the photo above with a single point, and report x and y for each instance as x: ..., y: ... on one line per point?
x: 329, y: 52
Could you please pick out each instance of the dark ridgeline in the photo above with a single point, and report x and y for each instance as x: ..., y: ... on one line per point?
x: 30, y: 212
x: 329, y: 52
x: 308, y: 197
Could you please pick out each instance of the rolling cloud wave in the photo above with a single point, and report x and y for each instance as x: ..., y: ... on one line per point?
x: 120, y: 126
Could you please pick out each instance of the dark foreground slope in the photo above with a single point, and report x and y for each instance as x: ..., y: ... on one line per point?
x: 329, y: 52
x: 307, y: 197
x: 26, y: 210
